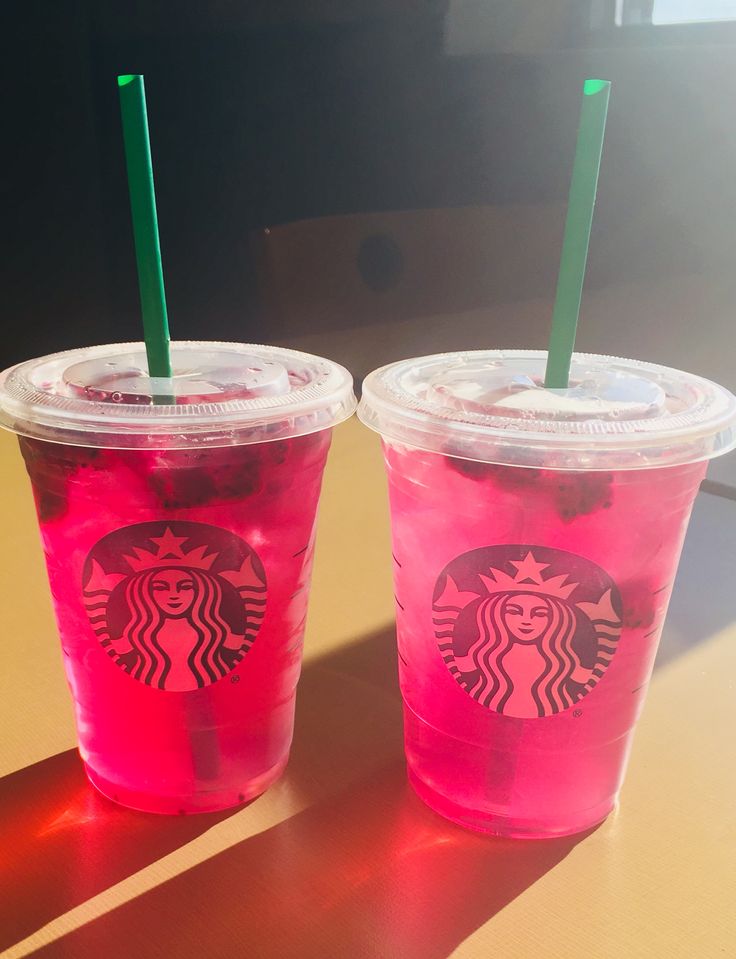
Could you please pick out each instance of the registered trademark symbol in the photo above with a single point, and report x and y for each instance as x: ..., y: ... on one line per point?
x: 235, y: 679
x: 577, y: 713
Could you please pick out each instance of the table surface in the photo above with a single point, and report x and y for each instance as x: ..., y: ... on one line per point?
x: 340, y: 859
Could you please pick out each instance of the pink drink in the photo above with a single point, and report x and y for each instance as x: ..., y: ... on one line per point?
x: 531, y: 600
x: 509, y: 772
x: 180, y: 579
x: 222, y: 732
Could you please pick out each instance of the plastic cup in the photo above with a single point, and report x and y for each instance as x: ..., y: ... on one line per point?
x: 536, y: 536
x: 177, y: 519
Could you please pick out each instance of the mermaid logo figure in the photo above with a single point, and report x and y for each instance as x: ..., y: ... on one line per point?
x: 176, y: 605
x: 519, y: 634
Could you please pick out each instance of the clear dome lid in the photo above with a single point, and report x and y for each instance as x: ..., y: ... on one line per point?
x: 219, y: 394
x: 491, y: 406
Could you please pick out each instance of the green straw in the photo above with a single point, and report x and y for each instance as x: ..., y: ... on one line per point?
x: 580, y: 205
x: 204, y: 742
x: 145, y: 223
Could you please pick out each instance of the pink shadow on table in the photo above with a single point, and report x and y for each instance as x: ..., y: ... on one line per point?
x: 61, y: 843
x: 366, y: 871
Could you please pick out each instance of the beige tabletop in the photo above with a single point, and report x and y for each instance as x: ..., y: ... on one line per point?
x: 340, y: 859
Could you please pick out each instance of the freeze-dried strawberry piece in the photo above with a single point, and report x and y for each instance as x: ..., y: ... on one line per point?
x: 579, y: 494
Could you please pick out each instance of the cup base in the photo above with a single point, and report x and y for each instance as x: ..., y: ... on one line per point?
x: 494, y: 824
x: 203, y: 801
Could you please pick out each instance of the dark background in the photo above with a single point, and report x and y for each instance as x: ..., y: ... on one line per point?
x: 264, y: 113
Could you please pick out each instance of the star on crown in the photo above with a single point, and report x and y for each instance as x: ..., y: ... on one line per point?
x: 170, y: 552
x: 528, y: 579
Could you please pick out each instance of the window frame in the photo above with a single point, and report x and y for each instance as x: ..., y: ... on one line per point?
x: 629, y: 23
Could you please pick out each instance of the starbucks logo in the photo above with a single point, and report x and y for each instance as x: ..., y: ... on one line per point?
x: 176, y: 605
x: 527, y: 631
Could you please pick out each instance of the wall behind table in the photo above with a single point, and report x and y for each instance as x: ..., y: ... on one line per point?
x: 262, y: 116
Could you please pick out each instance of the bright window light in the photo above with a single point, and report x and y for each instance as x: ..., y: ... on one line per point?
x: 666, y: 12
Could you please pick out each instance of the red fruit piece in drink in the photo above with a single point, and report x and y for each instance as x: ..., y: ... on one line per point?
x: 181, y: 488
x: 517, y: 478
x: 640, y: 604
x: 50, y: 467
x: 507, y: 477
x: 579, y: 494
x: 278, y: 451
x: 180, y: 483
x: 470, y: 468
x: 237, y: 480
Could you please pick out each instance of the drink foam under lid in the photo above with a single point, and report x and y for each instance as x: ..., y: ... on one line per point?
x: 218, y: 394
x: 491, y: 406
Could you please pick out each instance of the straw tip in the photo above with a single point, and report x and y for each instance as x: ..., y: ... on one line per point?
x: 592, y: 86
x: 127, y: 78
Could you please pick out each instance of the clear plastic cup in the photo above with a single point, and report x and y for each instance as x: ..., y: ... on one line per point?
x: 177, y: 519
x: 536, y: 536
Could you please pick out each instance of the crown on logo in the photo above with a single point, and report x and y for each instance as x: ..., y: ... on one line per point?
x: 528, y: 579
x: 170, y: 552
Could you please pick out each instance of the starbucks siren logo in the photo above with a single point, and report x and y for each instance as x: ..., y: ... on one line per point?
x: 527, y: 631
x: 176, y: 605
